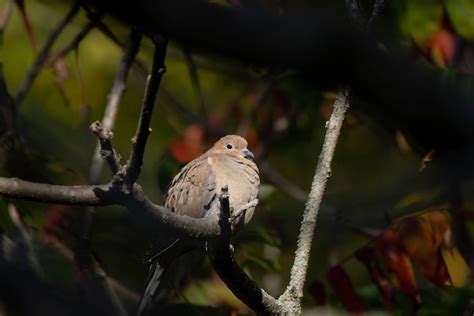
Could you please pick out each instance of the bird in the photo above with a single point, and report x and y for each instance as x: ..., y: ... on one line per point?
x: 192, y: 192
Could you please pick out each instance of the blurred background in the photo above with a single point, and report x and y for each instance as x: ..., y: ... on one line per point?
x: 389, y: 238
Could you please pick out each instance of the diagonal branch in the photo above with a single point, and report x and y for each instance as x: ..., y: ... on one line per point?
x: 294, y: 291
x: 103, y: 131
x: 42, y: 57
x: 134, y: 164
x: 74, y: 43
x: 221, y: 256
x: 92, y: 276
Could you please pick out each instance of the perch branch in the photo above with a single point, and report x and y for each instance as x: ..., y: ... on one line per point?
x: 100, y: 195
x: 231, y: 273
x: 42, y: 57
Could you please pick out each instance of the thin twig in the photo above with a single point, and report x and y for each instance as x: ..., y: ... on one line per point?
x: 294, y: 291
x: 74, y: 43
x: 106, y: 151
x: 135, y: 162
x: 94, y: 277
x: 104, y: 148
x: 42, y: 57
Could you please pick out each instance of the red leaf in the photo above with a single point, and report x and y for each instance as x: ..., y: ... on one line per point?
x: 190, y: 146
x: 397, y: 262
x: 421, y: 237
x: 344, y: 290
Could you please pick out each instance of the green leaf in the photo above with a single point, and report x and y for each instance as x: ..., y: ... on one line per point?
x: 420, y: 19
x: 461, y: 14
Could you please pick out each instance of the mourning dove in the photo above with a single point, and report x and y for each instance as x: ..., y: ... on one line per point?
x: 195, y: 189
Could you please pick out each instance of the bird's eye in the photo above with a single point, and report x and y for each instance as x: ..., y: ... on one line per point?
x: 229, y: 146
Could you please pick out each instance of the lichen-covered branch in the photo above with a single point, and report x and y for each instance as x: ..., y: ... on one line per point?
x: 291, y: 298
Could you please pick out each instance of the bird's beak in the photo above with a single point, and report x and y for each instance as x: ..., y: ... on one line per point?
x: 248, y: 154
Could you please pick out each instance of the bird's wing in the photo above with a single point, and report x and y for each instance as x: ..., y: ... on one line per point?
x: 190, y: 193
x: 192, y: 189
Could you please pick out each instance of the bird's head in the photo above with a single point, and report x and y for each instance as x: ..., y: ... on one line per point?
x: 233, y: 145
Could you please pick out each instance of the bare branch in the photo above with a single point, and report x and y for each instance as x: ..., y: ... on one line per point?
x: 135, y: 162
x: 291, y: 298
x: 235, y: 278
x: 94, y: 278
x: 106, y: 151
x: 42, y: 57
x: 104, y: 148
x: 136, y: 202
x: 74, y: 43
x: 48, y: 193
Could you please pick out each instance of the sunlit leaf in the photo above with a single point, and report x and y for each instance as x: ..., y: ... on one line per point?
x: 397, y: 263
x: 442, y: 47
x: 457, y: 267
x: 461, y: 15
x: 421, y: 237
x: 421, y: 19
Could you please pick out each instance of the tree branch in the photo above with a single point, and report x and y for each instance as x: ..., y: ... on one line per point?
x: 294, y: 291
x: 220, y: 254
x: 134, y: 164
x: 74, y: 43
x: 104, y: 148
x: 96, y: 195
x: 42, y: 57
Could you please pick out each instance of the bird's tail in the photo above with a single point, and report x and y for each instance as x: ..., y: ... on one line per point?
x: 156, y: 272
